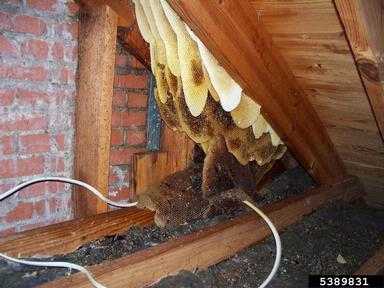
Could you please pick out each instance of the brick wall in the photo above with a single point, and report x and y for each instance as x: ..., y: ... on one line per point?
x: 38, y: 61
x: 128, y: 134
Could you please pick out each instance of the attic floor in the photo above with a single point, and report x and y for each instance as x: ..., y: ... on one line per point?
x: 352, y: 230
x: 310, y: 247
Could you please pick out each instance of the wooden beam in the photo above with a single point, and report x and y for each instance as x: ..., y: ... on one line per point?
x: 66, y: 237
x: 374, y: 265
x: 364, y: 26
x: 97, y: 46
x: 208, y: 246
x: 128, y: 32
x: 149, y: 169
x: 234, y: 33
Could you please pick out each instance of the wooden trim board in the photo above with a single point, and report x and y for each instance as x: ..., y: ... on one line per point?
x: 65, y: 237
x: 208, y: 246
x: 374, y: 265
x: 97, y: 46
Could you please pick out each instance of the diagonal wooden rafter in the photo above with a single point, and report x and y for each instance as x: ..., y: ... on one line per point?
x: 364, y: 26
x: 237, y: 38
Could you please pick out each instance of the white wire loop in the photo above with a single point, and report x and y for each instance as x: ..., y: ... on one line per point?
x: 70, y: 181
x: 123, y: 205
x: 277, y: 241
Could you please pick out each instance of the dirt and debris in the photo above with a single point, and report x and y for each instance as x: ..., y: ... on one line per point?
x: 312, y: 246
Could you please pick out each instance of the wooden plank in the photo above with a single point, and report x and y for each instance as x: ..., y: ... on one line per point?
x: 65, y: 237
x: 128, y: 32
x: 234, y: 33
x: 363, y: 23
x: 179, y: 147
x: 149, y: 168
x: 97, y: 45
x: 311, y: 38
x: 208, y: 246
x: 374, y: 265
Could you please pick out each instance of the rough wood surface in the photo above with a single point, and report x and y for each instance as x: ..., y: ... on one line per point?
x: 97, y: 45
x: 312, y: 40
x: 67, y: 236
x: 149, y: 169
x: 234, y: 33
x: 208, y: 246
x: 374, y: 265
x: 363, y: 22
x: 128, y: 32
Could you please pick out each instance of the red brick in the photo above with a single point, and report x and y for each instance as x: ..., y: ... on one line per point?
x: 73, y: 29
x: 35, y: 143
x: 24, y: 73
x: 57, y: 164
x: 43, y: 5
x: 123, y: 156
x: 5, y: 21
x: 33, y: 191
x: 117, y: 137
x: 131, y: 81
x: 137, y: 100
x: 112, y: 178
x: 7, y: 97
x: 29, y: 24
x: 37, y: 49
x: 12, y: 2
x: 54, y: 205
x: 7, y: 169
x: 23, y: 211
x: 30, y: 166
x: 122, y: 60
x: 73, y: 8
x: 6, y: 46
x: 24, y: 124
x: 32, y: 226
x: 134, y: 63
x: 121, y: 194
x: 53, y: 187
x: 116, y: 119
x: 6, y: 187
x: 71, y: 53
x: 27, y: 96
x: 39, y: 207
x: 60, y: 141
x: 7, y: 232
x: 66, y: 76
x: 7, y: 143
x: 57, y: 51
x: 136, y: 137
x: 133, y: 118
x: 119, y: 99
x: 67, y: 30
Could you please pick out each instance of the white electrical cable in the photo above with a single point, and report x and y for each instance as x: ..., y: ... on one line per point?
x: 56, y: 264
x: 70, y: 181
x: 62, y: 264
x: 117, y: 204
x: 277, y: 241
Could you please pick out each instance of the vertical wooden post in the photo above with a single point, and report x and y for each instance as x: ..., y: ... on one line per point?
x: 97, y: 46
